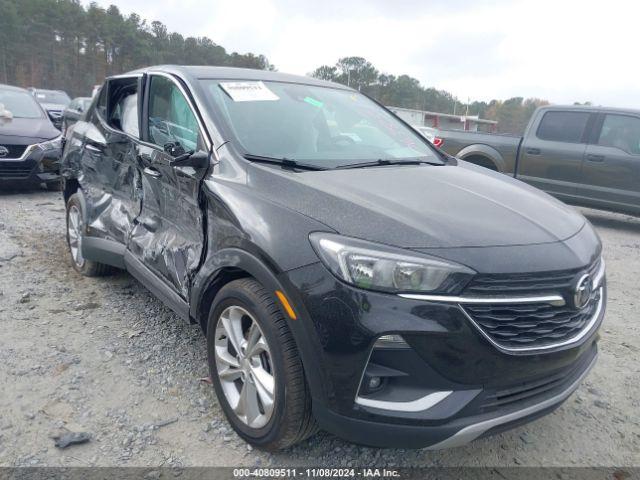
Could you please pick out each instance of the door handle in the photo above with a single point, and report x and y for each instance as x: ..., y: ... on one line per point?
x: 152, y: 172
x: 533, y: 151
x: 595, y: 158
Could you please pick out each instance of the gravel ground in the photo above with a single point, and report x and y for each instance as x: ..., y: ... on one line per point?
x: 103, y: 356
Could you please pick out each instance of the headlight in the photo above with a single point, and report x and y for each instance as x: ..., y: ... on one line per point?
x: 380, y: 267
x: 49, y: 144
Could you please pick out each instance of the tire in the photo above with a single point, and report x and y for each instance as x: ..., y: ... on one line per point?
x: 75, y: 234
x: 243, y: 303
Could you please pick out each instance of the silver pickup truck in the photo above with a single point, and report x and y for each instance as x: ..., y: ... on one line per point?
x: 582, y: 155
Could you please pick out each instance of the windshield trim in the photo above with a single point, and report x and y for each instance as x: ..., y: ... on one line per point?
x: 331, y: 86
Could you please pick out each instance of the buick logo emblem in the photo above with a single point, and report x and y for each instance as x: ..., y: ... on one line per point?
x: 4, y: 151
x: 582, y: 292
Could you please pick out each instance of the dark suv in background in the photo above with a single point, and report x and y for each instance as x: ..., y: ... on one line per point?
x: 30, y: 146
x: 346, y: 273
x: 54, y: 102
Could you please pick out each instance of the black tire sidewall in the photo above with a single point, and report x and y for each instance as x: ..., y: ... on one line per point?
x: 273, y: 429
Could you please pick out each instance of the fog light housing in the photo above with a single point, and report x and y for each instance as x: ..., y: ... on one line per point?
x: 374, y: 383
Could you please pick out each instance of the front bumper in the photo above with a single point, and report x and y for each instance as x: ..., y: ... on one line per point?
x: 457, y: 432
x: 487, y: 390
x: 33, y: 167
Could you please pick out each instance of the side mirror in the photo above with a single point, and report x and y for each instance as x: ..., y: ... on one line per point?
x: 174, y: 149
x: 192, y: 159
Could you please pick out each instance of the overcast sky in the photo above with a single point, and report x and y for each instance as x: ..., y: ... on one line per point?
x: 560, y: 50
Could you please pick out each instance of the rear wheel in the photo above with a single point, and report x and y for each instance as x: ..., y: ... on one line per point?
x: 75, y: 236
x: 255, y: 367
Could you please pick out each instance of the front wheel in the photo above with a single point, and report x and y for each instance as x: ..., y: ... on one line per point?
x: 256, y: 369
x: 75, y: 236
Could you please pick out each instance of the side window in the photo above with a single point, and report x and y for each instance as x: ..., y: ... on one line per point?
x: 171, y: 120
x: 122, y: 105
x: 563, y: 126
x: 621, y: 131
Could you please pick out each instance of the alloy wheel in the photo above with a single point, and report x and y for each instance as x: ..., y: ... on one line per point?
x: 244, y: 366
x: 74, y: 230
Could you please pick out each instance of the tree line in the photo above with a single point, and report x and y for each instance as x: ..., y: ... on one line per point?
x: 407, y: 92
x: 62, y: 44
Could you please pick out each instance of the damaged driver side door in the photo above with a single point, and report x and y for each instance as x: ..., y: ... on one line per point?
x: 108, y: 166
x: 168, y: 237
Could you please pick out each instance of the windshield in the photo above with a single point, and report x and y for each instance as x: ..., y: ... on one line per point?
x: 321, y: 126
x: 48, y: 96
x: 20, y: 104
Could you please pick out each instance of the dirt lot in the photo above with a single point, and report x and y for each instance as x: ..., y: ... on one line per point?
x: 105, y: 357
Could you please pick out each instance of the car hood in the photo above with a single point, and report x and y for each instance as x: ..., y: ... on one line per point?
x: 35, y: 129
x: 422, y: 206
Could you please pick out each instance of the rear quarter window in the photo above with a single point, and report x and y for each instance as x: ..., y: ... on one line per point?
x: 565, y: 127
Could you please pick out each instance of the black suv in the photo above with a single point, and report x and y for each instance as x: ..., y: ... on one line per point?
x: 347, y: 274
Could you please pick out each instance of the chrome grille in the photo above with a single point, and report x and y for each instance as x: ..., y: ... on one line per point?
x: 15, y: 151
x: 534, y: 325
x: 526, y: 283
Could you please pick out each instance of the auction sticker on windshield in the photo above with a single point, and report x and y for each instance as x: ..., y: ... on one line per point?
x: 248, y: 91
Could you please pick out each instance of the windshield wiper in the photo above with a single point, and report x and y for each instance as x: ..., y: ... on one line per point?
x: 384, y: 161
x: 287, y: 162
